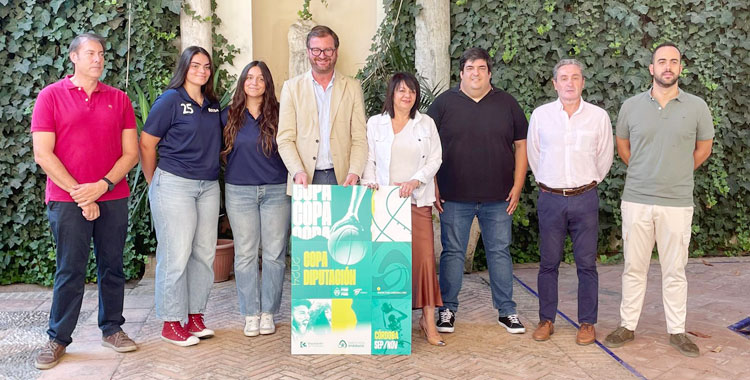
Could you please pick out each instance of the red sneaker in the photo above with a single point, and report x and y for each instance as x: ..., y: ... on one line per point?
x: 196, y: 327
x: 174, y: 333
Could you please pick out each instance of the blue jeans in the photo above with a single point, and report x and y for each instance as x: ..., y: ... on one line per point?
x: 260, y: 217
x: 496, y: 225
x: 73, y: 234
x: 186, y: 214
x: 578, y: 216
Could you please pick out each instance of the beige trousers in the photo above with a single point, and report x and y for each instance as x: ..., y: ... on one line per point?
x: 670, y: 228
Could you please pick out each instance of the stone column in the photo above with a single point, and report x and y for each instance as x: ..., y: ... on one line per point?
x: 237, y: 27
x: 194, y: 29
x: 297, y: 38
x: 433, y: 37
x: 432, y: 60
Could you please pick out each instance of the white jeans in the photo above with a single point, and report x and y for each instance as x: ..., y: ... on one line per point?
x: 670, y: 228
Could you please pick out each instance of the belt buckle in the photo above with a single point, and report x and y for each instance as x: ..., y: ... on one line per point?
x: 565, y: 192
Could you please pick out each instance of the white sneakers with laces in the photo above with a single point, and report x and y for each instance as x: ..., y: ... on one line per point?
x: 252, y: 325
x: 259, y: 324
x: 266, y: 324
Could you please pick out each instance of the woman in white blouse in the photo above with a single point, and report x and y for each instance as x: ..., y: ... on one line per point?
x: 404, y: 150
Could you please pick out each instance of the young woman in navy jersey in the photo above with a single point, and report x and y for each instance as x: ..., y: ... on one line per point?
x: 257, y: 205
x: 184, y: 125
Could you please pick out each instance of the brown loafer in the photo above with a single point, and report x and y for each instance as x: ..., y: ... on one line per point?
x: 586, y: 334
x: 543, y: 331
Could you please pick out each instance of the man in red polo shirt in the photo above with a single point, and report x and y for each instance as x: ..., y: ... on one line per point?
x: 85, y: 139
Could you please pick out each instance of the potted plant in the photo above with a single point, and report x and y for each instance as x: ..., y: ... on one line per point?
x: 224, y: 259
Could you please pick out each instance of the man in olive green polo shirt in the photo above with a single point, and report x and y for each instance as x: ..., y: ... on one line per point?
x: 663, y: 134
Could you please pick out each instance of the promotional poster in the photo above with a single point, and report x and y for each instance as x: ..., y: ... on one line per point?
x: 350, y: 271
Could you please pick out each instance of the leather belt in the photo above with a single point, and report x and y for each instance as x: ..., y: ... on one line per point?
x: 568, y: 192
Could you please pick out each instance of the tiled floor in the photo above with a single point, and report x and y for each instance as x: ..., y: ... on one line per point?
x: 479, y: 349
x: 718, y: 296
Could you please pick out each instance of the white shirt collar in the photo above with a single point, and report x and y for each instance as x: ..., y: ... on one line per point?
x: 562, y: 108
x: 309, y: 73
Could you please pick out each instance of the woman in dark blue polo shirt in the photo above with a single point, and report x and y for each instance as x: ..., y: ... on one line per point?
x: 257, y: 205
x: 185, y: 126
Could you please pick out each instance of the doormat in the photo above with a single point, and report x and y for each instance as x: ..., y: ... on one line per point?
x: 742, y: 327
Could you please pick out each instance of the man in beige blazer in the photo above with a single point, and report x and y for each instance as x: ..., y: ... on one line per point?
x: 322, y: 128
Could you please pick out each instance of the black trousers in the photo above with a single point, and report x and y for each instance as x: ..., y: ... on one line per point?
x: 73, y: 234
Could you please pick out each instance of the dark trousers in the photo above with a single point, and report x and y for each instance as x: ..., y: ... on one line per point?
x: 73, y: 235
x: 324, y: 177
x: 578, y: 216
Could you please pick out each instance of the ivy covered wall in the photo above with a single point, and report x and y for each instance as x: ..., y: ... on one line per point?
x: 34, y: 53
x: 614, y: 40
x: 525, y: 38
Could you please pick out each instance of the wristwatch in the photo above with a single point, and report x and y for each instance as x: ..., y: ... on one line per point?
x: 110, y: 185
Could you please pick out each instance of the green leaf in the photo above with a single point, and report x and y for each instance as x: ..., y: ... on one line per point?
x: 640, y: 8
x: 24, y: 25
x: 173, y: 5
x: 98, y: 19
x: 12, y: 46
x: 115, y: 22
x: 44, y: 60
x: 22, y: 66
x: 55, y: 5
x: 43, y: 18
x: 726, y: 18
x: 697, y: 18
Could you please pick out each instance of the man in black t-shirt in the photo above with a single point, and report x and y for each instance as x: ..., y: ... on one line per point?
x: 483, y: 134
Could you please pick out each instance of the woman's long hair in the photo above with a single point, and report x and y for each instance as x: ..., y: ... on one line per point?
x: 269, y: 113
x: 183, y: 65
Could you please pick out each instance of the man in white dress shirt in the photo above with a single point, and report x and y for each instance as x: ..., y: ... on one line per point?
x: 570, y: 151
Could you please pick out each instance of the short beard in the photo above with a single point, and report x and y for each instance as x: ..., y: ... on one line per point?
x: 664, y: 84
x: 331, y: 67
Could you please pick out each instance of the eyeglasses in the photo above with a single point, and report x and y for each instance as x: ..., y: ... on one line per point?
x: 316, y: 51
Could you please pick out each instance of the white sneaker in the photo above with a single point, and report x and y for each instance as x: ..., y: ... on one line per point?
x: 266, y: 324
x: 251, y: 325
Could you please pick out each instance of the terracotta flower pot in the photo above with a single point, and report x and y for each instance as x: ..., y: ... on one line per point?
x: 224, y: 260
